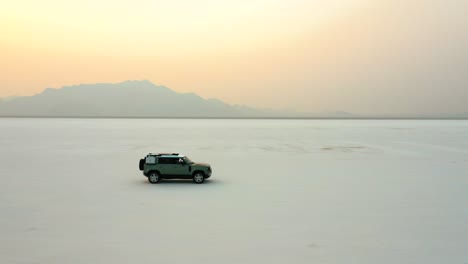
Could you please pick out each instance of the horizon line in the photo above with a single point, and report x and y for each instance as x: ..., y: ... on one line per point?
x: 253, y: 117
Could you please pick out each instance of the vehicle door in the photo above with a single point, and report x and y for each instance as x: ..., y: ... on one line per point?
x: 179, y: 167
x: 165, y: 166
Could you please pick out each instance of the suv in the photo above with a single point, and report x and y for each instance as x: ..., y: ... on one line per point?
x: 173, y: 166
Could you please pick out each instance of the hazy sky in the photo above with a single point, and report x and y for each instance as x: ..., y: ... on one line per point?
x: 361, y: 56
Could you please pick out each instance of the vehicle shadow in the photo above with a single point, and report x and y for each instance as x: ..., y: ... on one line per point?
x: 173, y: 182
x: 179, y: 181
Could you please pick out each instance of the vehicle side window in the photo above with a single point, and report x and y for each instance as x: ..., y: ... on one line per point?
x: 169, y: 160
x: 150, y: 160
x: 164, y: 161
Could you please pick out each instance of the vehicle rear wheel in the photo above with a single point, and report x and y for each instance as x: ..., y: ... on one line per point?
x: 198, y: 177
x: 154, y: 177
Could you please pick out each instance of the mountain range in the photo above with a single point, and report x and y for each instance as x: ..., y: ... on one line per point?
x: 143, y: 99
x: 132, y: 99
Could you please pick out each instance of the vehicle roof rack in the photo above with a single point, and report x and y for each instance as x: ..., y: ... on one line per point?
x: 160, y: 154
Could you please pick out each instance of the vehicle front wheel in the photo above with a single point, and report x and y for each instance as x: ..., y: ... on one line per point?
x: 154, y: 177
x: 198, y: 177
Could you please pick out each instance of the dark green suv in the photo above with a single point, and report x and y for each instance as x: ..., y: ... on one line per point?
x: 173, y: 166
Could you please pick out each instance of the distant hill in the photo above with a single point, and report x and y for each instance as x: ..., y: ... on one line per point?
x: 125, y: 99
x: 132, y: 99
x: 143, y: 99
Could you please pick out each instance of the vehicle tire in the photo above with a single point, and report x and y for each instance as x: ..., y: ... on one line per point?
x: 141, y: 164
x: 154, y: 177
x: 198, y: 177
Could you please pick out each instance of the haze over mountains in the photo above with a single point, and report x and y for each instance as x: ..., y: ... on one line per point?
x: 143, y: 99
x: 129, y: 99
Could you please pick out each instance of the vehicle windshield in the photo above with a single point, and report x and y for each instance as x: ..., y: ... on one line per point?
x: 187, y: 160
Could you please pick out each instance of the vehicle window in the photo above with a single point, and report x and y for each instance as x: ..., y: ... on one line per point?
x: 164, y: 161
x: 187, y: 160
x: 150, y: 160
x: 168, y: 160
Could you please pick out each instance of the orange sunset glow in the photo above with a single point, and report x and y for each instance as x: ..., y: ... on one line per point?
x: 318, y: 54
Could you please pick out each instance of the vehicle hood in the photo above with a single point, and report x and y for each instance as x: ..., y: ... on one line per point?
x: 201, y: 164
